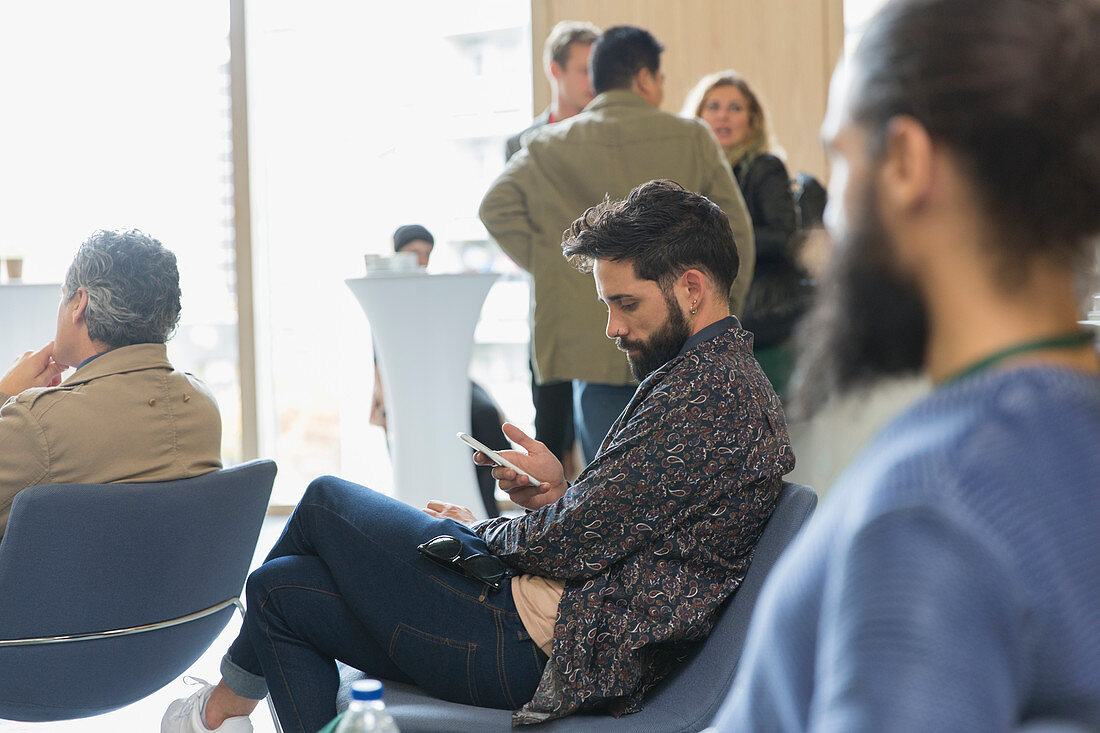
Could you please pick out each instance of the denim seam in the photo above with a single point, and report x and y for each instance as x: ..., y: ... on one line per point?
x: 535, y: 651
x: 475, y: 699
x: 374, y: 541
x: 444, y: 640
x: 500, y: 662
x: 469, y: 597
x: 365, y: 536
x: 274, y: 651
x: 468, y: 647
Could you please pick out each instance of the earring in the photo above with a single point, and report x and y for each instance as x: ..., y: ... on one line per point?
x: 693, y: 307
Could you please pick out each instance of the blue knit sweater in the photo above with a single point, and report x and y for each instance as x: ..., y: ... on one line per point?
x: 951, y: 580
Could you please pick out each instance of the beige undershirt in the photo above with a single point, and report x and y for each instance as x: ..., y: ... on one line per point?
x: 537, y: 602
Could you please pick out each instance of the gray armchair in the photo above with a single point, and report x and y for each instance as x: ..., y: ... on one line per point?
x: 109, y: 592
x: 687, y: 700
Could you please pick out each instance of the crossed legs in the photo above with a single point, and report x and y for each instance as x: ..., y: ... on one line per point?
x: 345, y: 582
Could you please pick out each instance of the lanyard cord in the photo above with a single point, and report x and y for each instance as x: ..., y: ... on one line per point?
x: 1072, y: 340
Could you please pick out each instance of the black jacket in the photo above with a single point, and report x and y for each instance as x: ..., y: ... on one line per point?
x: 779, y: 293
x: 767, y: 191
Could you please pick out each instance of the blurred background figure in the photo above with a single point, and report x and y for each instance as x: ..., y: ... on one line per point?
x: 780, y: 291
x: 949, y: 581
x: 485, y: 417
x: 565, y: 61
x: 416, y: 239
x: 792, y: 249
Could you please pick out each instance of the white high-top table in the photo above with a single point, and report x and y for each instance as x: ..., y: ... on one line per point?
x: 28, y: 318
x: 423, y: 330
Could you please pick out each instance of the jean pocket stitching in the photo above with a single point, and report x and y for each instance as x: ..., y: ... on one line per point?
x: 474, y: 599
x: 501, y: 676
x: 456, y: 591
x: 537, y: 654
x: 468, y: 647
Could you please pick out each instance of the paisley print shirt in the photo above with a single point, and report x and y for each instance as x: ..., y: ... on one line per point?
x: 658, y: 530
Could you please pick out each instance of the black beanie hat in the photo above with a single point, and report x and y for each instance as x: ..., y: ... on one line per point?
x: 409, y: 233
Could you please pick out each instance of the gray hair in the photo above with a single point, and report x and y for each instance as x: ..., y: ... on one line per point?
x: 133, y: 288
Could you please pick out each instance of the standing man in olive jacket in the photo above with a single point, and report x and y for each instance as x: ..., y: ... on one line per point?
x: 565, y: 61
x: 619, y: 141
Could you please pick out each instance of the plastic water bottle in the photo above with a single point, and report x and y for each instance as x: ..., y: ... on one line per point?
x: 367, y: 713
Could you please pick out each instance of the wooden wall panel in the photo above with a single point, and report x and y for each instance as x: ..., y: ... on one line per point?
x: 785, y: 48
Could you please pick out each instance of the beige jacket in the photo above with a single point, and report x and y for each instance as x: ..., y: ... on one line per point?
x: 618, y: 142
x: 127, y: 416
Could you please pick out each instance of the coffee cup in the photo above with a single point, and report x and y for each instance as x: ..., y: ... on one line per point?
x: 14, y: 267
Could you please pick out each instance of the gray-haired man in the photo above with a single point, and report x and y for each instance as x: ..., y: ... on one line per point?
x: 125, y: 415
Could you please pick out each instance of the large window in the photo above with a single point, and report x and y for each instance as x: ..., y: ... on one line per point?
x: 116, y: 115
x: 363, y: 118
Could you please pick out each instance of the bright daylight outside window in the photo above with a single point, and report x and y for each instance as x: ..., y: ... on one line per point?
x: 116, y: 115
x: 364, y: 118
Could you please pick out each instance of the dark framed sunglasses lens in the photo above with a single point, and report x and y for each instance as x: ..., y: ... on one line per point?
x: 485, y: 566
x: 444, y: 548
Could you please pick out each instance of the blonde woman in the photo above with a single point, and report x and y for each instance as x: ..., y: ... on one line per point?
x: 779, y: 292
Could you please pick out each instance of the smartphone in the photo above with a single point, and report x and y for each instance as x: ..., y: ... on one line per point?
x: 494, y: 456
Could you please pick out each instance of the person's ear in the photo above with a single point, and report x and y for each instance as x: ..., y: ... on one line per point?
x: 908, y: 165
x: 556, y: 70
x: 693, y: 285
x: 80, y: 305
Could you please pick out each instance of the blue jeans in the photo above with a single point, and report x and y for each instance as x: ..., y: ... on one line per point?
x: 595, y: 409
x: 345, y: 582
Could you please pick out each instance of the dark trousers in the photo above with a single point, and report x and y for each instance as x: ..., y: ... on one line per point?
x: 345, y: 582
x: 486, y: 426
x: 553, y: 415
x: 596, y: 408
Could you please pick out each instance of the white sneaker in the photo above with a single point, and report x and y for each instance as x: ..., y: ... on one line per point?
x: 186, y: 714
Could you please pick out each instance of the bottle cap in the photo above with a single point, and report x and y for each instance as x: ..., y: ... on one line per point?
x: 366, y: 690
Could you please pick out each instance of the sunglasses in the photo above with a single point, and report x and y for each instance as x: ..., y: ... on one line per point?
x: 447, y: 551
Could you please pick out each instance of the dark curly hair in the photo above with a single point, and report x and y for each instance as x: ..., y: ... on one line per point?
x: 663, y: 229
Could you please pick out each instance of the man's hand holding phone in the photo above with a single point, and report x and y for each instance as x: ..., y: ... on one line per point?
x: 537, y: 463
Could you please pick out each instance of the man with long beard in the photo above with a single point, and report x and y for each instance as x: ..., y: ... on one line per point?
x: 950, y: 580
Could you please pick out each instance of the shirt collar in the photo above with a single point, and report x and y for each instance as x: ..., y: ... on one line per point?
x: 92, y: 358
x: 709, y: 332
x: 616, y: 97
x: 132, y: 358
